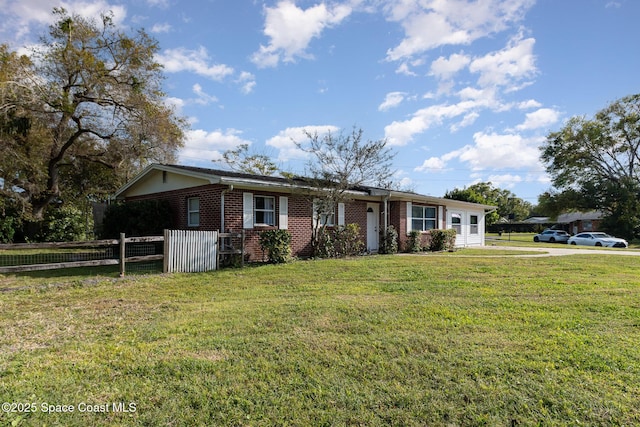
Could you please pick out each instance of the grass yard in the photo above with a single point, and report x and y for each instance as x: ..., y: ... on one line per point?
x: 372, y: 341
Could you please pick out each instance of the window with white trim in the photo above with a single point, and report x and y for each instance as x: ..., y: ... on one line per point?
x: 328, y: 219
x: 193, y: 211
x: 264, y: 210
x: 423, y: 218
x: 473, y: 224
x: 456, y: 222
x: 324, y: 213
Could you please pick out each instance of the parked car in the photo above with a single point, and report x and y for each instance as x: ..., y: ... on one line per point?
x: 597, y: 239
x: 552, y: 236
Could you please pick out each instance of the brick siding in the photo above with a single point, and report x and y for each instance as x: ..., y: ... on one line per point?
x: 300, y: 218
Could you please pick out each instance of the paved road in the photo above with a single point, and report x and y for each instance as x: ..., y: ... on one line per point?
x: 564, y: 250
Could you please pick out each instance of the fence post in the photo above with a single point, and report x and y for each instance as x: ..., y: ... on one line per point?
x: 123, y: 254
x: 165, y: 260
x: 218, y: 249
x: 242, y: 249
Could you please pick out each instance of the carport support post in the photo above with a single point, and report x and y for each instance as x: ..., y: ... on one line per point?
x: 122, y: 254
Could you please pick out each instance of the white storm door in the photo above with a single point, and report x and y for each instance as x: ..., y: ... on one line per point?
x: 373, y: 227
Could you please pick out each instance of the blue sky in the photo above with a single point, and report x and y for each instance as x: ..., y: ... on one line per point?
x: 464, y: 91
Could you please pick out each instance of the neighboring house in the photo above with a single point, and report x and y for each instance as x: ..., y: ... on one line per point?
x: 577, y: 222
x: 208, y: 199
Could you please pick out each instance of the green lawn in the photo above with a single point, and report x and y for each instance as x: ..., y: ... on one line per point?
x: 372, y: 341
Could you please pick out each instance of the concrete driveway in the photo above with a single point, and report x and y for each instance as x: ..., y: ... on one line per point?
x: 564, y: 250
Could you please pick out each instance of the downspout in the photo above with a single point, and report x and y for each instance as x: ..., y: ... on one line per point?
x: 386, y: 214
x: 226, y: 190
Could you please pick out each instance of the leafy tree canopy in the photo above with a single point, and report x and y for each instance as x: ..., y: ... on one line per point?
x: 594, y: 164
x: 81, y: 114
x: 485, y: 193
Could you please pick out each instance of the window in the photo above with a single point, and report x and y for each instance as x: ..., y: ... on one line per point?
x: 193, y: 211
x: 328, y: 219
x: 473, y: 224
x: 423, y: 218
x: 324, y: 212
x: 264, y: 210
x: 456, y: 222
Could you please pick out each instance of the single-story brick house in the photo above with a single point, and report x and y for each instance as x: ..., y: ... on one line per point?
x: 577, y: 222
x: 209, y: 199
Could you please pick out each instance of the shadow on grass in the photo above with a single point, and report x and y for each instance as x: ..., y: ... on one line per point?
x: 83, y: 272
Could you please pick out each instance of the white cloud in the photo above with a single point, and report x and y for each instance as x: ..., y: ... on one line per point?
x: 161, y: 28
x: 530, y: 103
x: 494, y: 152
x: 163, y: 4
x: 247, y: 82
x: 176, y: 103
x: 400, y: 133
x: 403, y: 180
x: 486, y: 96
x: 24, y: 14
x: 195, y: 61
x: 393, y: 99
x: 497, y: 151
x: 467, y: 120
x: 284, y: 141
x: 505, y: 180
x: 202, y: 145
x: 91, y: 9
x: 432, y: 165
x: 404, y: 69
x: 203, y: 98
x: 291, y: 29
x: 512, y: 64
x: 445, y: 68
x: 504, y: 69
x: 539, y: 119
x: 432, y: 23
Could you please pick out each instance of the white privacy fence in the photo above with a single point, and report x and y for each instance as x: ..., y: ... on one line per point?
x: 190, y: 251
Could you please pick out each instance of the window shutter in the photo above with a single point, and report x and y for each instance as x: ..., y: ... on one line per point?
x: 314, y: 214
x: 283, y: 220
x: 441, y: 225
x: 341, y: 214
x: 409, y: 217
x: 247, y: 210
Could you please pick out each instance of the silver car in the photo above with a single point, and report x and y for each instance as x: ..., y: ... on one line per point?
x: 598, y: 239
x: 552, y: 236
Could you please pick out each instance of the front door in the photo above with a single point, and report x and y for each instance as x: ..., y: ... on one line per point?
x: 373, y: 227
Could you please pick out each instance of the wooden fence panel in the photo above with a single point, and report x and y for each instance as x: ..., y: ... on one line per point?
x: 184, y: 251
x: 188, y: 251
